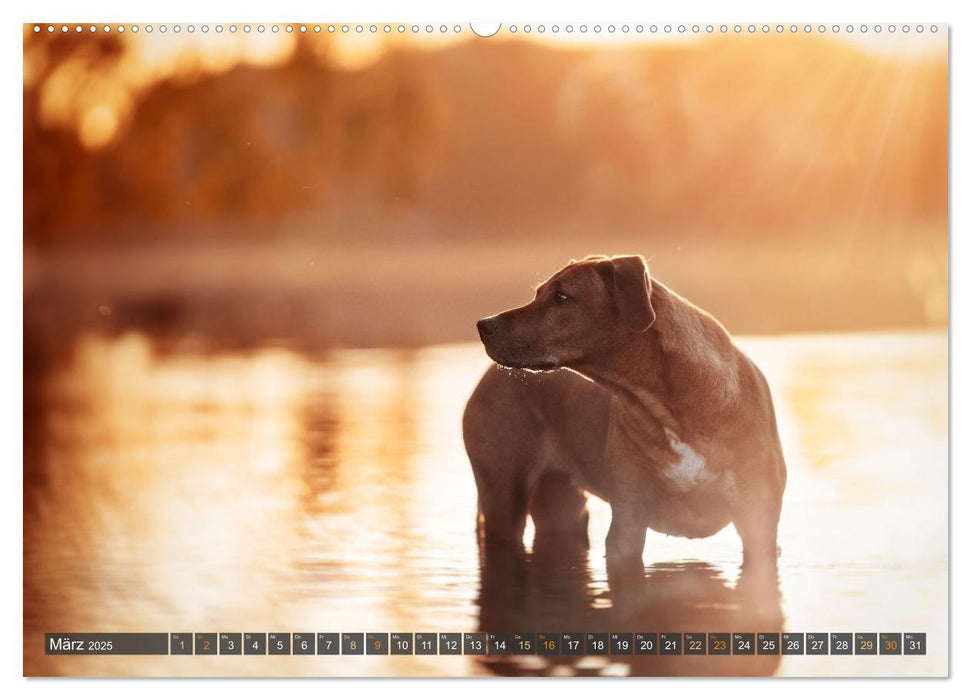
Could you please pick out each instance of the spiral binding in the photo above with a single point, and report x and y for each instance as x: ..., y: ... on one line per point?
x: 428, y: 29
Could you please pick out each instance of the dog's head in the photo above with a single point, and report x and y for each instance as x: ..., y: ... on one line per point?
x: 585, y: 309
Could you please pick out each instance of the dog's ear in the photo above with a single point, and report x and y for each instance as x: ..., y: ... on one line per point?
x: 632, y: 291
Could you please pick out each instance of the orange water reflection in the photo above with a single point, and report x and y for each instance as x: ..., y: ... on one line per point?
x: 269, y: 491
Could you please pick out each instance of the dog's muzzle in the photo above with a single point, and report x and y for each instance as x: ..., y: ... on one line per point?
x: 487, y: 326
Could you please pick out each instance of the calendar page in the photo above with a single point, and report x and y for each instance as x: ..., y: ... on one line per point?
x: 517, y: 349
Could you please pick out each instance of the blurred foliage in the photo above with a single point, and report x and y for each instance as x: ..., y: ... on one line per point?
x: 799, y: 134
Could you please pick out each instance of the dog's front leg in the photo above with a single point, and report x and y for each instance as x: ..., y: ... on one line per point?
x: 625, y: 538
x: 628, y: 526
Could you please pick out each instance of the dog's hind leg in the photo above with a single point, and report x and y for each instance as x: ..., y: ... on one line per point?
x: 502, y: 512
x: 559, y: 509
x: 501, y: 441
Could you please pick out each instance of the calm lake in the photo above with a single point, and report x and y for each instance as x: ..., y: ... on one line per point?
x: 271, y: 491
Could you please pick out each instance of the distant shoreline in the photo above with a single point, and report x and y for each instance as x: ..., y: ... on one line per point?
x: 305, y: 294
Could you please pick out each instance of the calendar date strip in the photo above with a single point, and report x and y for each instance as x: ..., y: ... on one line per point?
x: 486, y: 644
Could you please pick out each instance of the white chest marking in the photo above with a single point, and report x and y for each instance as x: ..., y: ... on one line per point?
x: 689, y: 471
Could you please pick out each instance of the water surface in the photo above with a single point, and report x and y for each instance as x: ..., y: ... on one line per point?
x: 269, y: 491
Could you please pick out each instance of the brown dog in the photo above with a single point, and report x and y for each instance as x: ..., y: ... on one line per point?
x: 659, y: 414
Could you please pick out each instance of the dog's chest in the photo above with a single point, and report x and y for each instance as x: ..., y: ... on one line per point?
x: 676, y: 470
x: 686, y: 470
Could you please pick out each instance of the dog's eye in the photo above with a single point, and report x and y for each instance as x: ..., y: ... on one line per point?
x: 560, y: 297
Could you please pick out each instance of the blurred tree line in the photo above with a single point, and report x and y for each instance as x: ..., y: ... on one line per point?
x: 741, y: 135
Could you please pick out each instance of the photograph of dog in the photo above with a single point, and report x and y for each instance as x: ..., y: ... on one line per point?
x: 644, y: 401
x: 283, y: 370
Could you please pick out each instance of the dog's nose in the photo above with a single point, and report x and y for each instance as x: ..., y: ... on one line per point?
x: 487, y: 326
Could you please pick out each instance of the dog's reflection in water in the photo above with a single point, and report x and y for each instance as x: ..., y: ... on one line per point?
x: 551, y: 590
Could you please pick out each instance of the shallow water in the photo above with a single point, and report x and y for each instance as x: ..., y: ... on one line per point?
x: 268, y: 491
